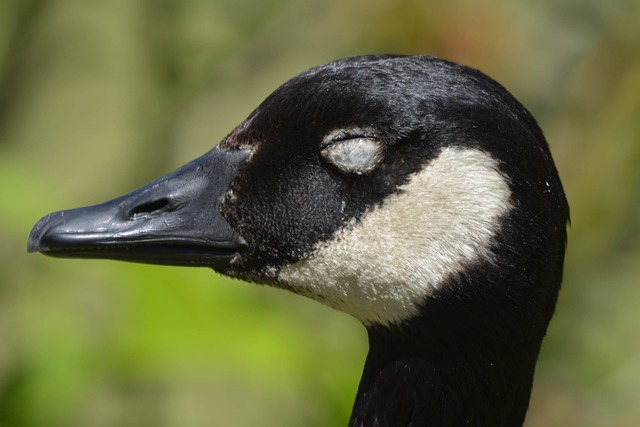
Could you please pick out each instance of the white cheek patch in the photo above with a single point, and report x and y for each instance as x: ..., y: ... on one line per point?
x: 379, y: 269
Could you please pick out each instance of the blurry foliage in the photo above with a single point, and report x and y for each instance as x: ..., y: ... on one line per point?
x: 96, y: 98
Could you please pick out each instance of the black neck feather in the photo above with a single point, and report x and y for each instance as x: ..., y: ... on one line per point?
x: 470, y: 369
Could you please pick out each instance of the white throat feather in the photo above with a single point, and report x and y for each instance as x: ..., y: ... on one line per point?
x: 381, y: 268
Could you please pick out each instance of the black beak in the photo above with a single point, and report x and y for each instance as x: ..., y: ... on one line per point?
x: 174, y: 220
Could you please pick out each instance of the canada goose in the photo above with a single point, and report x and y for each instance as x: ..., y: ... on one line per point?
x: 413, y: 193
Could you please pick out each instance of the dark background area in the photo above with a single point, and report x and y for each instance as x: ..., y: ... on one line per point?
x: 99, y: 97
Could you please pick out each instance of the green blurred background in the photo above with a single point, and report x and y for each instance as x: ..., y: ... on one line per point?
x: 99, y: 97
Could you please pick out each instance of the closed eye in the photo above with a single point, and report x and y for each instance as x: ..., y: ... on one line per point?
x: 353, y: 151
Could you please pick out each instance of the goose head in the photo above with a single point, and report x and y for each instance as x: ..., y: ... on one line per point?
x: 413, y: 193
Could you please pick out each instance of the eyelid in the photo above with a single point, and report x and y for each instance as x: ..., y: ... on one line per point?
x: 340, y: 135
x: 354, y: 155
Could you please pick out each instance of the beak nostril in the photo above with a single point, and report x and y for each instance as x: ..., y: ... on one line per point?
x: 148, y: 208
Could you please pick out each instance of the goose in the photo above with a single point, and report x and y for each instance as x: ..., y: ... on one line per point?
x: 415, y: 194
